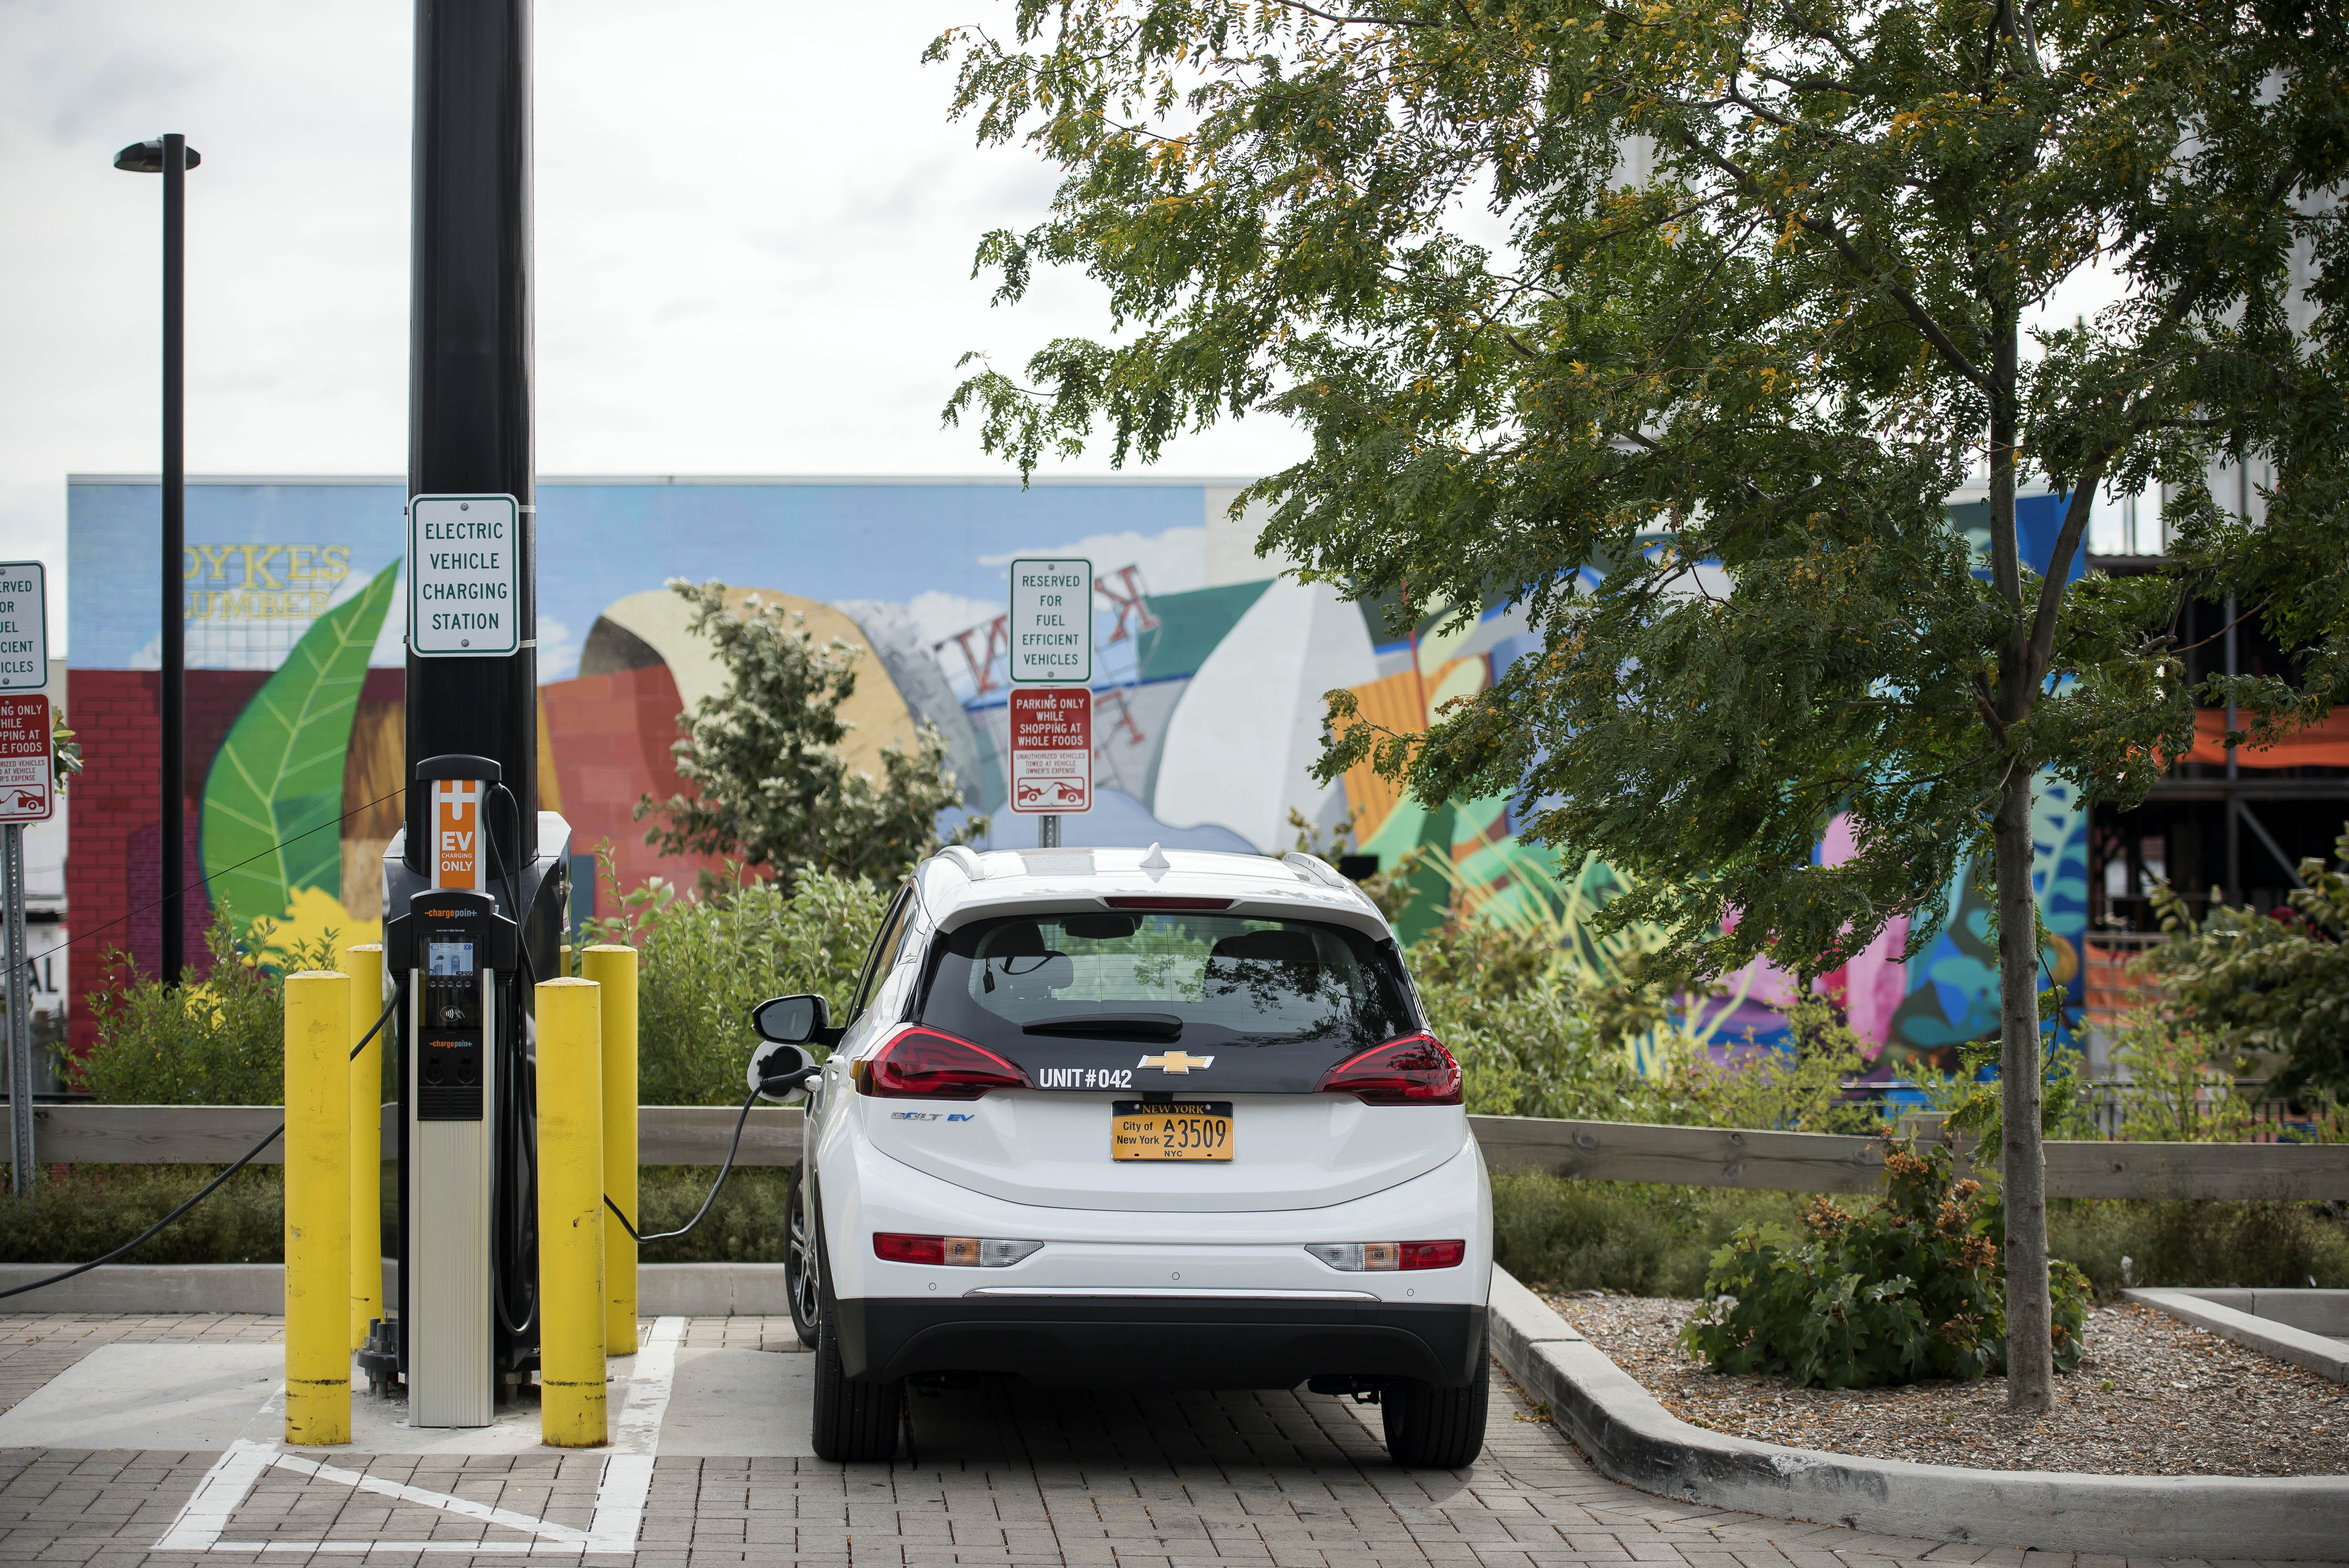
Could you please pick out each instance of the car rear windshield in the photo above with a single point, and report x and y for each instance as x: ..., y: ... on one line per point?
x: 1034, y: 986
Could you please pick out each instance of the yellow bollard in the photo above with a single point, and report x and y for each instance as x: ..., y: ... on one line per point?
x: 571, y: 1214
x: 363, y: 962
x: 614, y: 969
x: 318, y: 1207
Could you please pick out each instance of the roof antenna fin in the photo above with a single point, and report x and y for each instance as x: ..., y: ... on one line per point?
x: 1156, y: 860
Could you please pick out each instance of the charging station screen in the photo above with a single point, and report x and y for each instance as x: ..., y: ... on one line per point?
x: 448, y: 958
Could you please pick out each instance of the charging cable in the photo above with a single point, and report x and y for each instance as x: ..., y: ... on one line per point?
x: 783, y: 1084
x: 143, y: 1237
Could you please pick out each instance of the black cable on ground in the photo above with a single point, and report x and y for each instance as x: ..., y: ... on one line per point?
x: 148, y: 1235
x: 723, y: 1171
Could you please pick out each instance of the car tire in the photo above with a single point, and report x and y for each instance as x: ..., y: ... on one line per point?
x: 1428, y: 1428
x: 855, y: 1421
x: 800, y: 1282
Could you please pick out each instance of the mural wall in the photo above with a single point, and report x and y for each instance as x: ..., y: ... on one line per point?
x: 1209, y: 672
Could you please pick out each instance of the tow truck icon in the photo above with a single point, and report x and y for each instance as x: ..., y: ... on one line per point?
x: 28, y: 800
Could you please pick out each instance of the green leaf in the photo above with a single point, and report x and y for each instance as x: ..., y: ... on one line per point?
x: 275, y: 795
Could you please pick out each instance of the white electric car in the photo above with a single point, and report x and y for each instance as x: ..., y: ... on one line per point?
x: 1118, y: 1116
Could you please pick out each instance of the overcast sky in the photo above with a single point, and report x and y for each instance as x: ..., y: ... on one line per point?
x: 754, y: 226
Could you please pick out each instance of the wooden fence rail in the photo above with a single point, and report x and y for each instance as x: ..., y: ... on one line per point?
x: 1590, y: 1151
x: 1834, y: 1162
x: 217, y: 1134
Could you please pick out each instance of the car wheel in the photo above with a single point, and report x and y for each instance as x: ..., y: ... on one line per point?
x: 799, y: 1257
x: 855, y: 1421
x: 1429, y: 1428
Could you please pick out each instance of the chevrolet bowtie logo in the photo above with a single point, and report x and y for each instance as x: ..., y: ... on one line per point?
x: 1177, y: 1062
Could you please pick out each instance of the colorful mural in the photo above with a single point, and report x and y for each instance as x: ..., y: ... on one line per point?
x: 1210, y: 670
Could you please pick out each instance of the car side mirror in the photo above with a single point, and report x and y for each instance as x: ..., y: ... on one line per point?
x: 791, y: 1020
x: 781, y: 1072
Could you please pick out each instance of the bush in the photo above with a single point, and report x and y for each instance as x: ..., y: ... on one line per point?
x: 706, y: 961
x: 2264, y: 985
x: 2190, y: 1244
x: 745, y: 1225
x: 1618, y: 1236
x: 1908, y: 1289
x: 1533, y: 1041
x: 89, y: 1210
x: 220, y: 1042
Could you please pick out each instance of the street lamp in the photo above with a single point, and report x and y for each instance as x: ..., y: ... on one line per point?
x: 171, y: 157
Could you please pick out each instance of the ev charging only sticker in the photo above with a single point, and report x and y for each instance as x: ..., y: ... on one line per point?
x: 464, y: 576
x: 457, y: 858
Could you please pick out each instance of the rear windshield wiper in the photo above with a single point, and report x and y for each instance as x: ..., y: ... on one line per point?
x: 1149, y: 1026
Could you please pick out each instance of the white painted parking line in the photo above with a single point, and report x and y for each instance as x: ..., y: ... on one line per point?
x: 620, y: 1491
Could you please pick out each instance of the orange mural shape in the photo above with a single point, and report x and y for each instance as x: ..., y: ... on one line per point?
x: 2324, y: 743
x: 1399, y: 704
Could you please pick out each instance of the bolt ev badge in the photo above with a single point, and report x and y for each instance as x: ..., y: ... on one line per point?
x: 1177, y: 1062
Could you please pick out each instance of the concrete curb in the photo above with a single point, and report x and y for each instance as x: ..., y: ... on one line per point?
x: 1632, y: 1439
x: 687, y: 1290
x: 2326, y: 1358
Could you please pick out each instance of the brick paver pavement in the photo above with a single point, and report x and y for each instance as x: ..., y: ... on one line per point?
x: 998, y: 1476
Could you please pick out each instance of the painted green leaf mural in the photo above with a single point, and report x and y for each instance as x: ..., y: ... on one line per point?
x: 279, y: 774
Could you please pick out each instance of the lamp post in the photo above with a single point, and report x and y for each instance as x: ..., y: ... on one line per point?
x: 171, y: 157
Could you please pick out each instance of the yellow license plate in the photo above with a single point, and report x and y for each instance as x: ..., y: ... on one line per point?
x: 1142, y: 1130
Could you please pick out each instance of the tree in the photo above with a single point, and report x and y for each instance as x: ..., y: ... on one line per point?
x: 769, y: 785
x: 1678, y: 324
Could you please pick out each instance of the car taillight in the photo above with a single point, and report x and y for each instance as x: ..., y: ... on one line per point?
x: 923, y: 1063
x: 1413, y: 1070
x: 1356, y: 1257
x: 951, y: 1252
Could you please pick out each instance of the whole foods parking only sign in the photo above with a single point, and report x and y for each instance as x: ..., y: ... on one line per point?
x: 464, y: 576
x: 1051, y: 749
x: 1052, y: 620
x: 24, y: 776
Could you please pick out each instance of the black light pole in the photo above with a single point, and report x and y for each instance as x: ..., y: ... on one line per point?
x: 171, y: 157
x: 470, y: 364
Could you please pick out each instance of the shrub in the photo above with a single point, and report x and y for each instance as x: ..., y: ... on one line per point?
x: 706, y: 961
x: 1618, y: 1236
x: 220, y: 1042
x: 1908, y: 1289
x: 2192, y: 1243
x: 745, y: 1225
x: 85, y: 1212
x: 2275, y: 985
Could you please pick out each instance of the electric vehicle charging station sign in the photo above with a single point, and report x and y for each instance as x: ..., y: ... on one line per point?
x: 464, y: 576
x: 24, y: 780
x: 23, y: 626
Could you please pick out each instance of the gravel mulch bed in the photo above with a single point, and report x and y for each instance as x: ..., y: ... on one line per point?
x: 2152, y: 1397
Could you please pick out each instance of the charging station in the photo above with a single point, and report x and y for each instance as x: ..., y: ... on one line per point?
x: 464, y: 957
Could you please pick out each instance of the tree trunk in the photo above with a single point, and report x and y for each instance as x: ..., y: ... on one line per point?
x: 2030, y: 1349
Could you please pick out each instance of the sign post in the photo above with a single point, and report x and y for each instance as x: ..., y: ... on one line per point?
x: 1052, y: 705
x: 26, y: 796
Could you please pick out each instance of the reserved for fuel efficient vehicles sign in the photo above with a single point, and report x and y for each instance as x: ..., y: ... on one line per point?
x: 1052, y: 620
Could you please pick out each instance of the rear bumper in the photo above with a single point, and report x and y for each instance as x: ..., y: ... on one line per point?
x: 1162, y: 1341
